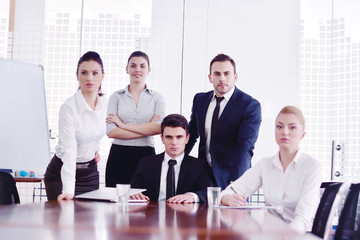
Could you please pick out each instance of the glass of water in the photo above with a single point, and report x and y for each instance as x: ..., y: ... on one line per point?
x: 213, y: 196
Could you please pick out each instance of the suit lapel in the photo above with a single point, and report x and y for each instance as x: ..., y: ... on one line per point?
x: 157, y: 172
x: 203, y: 110
x: 184, y: 171
x: 228, y: 109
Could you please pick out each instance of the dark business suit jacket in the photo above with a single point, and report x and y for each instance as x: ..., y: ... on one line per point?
x: 232, y: 144
x: 193, y: 176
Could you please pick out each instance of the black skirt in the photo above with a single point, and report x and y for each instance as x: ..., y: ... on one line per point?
x: 123, y: 162
x: 86, y: 178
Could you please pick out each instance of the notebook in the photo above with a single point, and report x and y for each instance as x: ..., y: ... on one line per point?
x: 108, y: 194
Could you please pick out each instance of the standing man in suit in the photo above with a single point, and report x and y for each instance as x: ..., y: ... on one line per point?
x: 191, y: 177
x: 227, y: 121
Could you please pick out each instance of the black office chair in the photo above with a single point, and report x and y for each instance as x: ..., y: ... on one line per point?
x: 8, y: 190
x: 326, y: 207
x: 349, y: 223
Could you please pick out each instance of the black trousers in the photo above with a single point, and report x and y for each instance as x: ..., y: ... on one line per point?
x: 123, y: 162
x: 86, y: 179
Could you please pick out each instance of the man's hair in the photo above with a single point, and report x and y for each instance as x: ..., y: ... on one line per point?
x: 175, y: 120
x: 223, y: 58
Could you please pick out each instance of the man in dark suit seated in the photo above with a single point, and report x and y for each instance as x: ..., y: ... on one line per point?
x: 189, y: 179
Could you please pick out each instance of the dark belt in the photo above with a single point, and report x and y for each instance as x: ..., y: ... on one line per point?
x: 85, y: 164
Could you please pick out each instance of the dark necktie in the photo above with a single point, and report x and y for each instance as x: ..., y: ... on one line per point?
x: 215, y: 117
x: 170, y: 180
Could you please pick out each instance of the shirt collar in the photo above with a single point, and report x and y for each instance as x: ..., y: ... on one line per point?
x: 101, y: 102
x: 276, y: 159
x: 227, y: 95
x: 80, y: 100
x: 179, y: 159
x: 297, y: 155
x: 126, y: 90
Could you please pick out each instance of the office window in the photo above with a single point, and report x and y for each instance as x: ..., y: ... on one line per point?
x: 340, y: 21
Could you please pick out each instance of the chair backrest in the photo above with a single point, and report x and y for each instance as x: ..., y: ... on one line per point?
x: 349, y: 222
x: 328, y: 205
x: 8, y: 190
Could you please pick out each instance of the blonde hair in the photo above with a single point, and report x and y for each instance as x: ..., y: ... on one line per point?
x: 294, y: 110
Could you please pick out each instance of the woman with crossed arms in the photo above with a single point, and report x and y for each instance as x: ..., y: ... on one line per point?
x: 134, y: 117
x: 290, y: 179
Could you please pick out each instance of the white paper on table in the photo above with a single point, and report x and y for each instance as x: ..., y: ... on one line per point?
x: 250, y: 207
x: 108, y: 194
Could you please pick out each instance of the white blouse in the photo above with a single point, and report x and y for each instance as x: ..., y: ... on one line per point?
x: 297, y: 189
x: 80, y: 131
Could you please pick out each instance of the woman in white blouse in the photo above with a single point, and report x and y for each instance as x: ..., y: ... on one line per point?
x: 73, y: 169
x: 290, y: 179
x: 134, y: 117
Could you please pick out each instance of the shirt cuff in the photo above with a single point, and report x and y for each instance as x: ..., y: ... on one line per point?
x: 299, y: 225
x: 225, y: 192
x: 196, y: 197
x: 110, y: 127
x: 68, y: 187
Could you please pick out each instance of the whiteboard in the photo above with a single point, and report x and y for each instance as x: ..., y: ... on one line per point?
x: 24, y: 135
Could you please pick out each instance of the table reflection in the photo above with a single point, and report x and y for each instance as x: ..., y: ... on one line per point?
x: 98, y: 220
x: 238, y: 220
x: 213, y: 218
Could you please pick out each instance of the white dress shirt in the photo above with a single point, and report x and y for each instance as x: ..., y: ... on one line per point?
x: 80, y: 131
x: 208, y: 118
x: 164, y: 170
x: 297, y: 189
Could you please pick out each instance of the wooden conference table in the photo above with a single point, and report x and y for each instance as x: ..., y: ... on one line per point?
x: 100, y: 220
